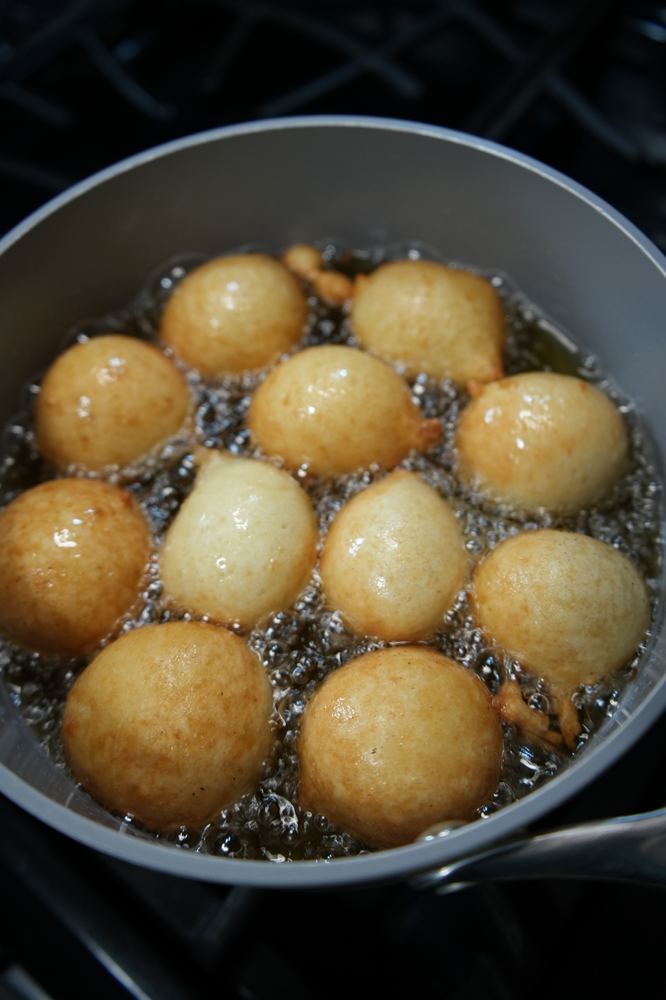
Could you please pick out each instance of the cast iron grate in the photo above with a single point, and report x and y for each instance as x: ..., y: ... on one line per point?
x: 579, y: 84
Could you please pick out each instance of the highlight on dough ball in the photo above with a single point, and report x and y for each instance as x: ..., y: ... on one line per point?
x: 108, y: 401
x: 243, y: 544
x: 394, y: 559
x: 169, y: 723
x: 432, y: 318
x: 572, y: 609
x: 235, y: 314
x: 72, y: 556
x: 335, y: 409
x: 396, y: 741
x: 540, y: 439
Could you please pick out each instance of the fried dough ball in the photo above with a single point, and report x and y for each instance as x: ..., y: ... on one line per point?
x: 513, y: 708
x: 542, y: 440
x: 396, y: 741
x: 235, y: 314
x: 169, y: 723
x: 433, y: 319
x: 72, y: 555
x: 394, y: 559
x: 337, y: 410
x: 333, y: 287
x: 307, y: 262
x: 243, y: 544
x: 571, y: 608
x: 304, y: 260
x: 107, y: 402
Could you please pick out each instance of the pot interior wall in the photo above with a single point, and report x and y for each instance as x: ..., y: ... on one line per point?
x: 362, y: 185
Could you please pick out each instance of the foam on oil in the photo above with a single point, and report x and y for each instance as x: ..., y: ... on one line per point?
x: 301, y: 646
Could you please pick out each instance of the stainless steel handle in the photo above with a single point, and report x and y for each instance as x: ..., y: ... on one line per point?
x: 625, y: 849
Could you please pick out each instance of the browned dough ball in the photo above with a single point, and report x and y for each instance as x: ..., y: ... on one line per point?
x: 433, y: 319
x: 169, y: 723
x: 244, y: 543
x: 107, y: 402
x: 542, y: 440
x: 396, y: 741
x: 337, y: 410
x: 72, y: 555
x: 334, y: 287
x: 304, y: 260
x: 569, y: 607
x: 235, y: 314
x: 394, y: 559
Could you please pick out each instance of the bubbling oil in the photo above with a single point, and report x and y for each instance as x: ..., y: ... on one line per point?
x: 301, y: 646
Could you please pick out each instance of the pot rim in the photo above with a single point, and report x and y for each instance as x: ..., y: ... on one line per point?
x: 396, y: 863
x: 338, y: 121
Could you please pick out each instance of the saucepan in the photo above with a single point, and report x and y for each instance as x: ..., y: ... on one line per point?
x: 363, y: 182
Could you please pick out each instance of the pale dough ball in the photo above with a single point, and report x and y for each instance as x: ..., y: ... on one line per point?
x: 235, y: 314
x: 107, y: 402
x: 169, y: 723
x: 336, y: 410
x: 243, y: 544
x: 72, y: 556
x: 433, y: 319
x: 394, y: 559
x: 569, y: 607
x: 396, y: 741
x: 542, y: 440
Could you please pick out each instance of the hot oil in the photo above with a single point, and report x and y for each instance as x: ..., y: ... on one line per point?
x: 301, y: 646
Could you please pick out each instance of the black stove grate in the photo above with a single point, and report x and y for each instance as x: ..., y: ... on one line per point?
x: 78, y: 923
x: 579, y: 84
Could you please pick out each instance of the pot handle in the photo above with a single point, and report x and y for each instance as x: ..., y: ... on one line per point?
x: 624, y: 849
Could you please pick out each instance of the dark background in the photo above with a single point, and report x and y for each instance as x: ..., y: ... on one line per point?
x: 579, y: 85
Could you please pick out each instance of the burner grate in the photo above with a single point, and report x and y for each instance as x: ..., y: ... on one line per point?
x: 579, y: 84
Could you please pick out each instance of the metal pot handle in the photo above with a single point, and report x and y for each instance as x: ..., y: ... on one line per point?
x: 624, y: 849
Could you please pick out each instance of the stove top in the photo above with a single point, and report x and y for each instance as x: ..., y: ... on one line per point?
x: 579, y: 85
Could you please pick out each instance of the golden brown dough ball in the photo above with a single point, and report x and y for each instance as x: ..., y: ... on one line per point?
x: 169, y: 723
x: 394, y: 559
x: 235, y: 314
x: 396, y: 741
x: 337, y: 410
x: 243, y: 544
x: 433, y: 319
x: 334, y: 287
x: 72, y: 555
x: 304, y: 260
x: 107, y: 402
x: 542, y: 440
x: 569, y: 607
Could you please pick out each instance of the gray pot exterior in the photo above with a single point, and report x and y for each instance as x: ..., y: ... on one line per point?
x: 363, y: 182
